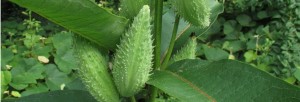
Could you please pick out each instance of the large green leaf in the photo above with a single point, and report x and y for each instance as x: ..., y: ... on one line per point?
x: 57, y: 96
x: 224, y: 81
x: 82, y: 17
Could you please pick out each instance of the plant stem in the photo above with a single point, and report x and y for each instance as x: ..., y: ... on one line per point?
x: 172, y: 42
x: 132, y: 99
x: 157, y: 32
x: 157, y: 35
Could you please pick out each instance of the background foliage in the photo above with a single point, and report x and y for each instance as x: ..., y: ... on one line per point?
x: 35, y: 57
x: 262, y: 33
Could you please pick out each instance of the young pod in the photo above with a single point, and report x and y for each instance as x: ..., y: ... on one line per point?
x: 188, y: 51
x: 130, y: 8
x: 132, y: 62
x: 93, y: 70
x: 197, y: 12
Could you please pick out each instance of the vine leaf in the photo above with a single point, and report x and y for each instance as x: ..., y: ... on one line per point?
x: 82, y: 17
x: 224, y: 81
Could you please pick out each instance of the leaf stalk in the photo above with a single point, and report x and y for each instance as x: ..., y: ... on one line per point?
x: 172, y: 43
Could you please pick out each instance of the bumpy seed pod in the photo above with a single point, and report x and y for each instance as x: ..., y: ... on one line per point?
x: 130, y: 8
x: 132, y: 62
x: 93, y: 70
x: 188, y: 51
x: 196, y: 12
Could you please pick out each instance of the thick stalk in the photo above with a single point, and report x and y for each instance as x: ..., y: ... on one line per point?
x: 132, y: 99
x: 157, y: 39
x: 157, y: 32
x: 172, y: 42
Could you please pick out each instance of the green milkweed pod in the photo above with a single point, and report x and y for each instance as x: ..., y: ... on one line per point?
x: 132, y: 62
x: 130, y: 8
x: 93, y: 70
x: 186, y: 52
x: 196, y: 12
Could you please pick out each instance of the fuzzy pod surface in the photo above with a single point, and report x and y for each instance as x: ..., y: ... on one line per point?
x: 188, y: 51
x: 132, y: 62
x: 130, y: 8
x: 93, y: 70
x: 196, y: 12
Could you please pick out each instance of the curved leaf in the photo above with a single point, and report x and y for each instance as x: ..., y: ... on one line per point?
x: 225, y: 81
x: 82, y: 17
x: 57, y: 96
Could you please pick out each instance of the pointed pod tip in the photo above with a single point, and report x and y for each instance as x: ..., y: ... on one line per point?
x: 146, y: 9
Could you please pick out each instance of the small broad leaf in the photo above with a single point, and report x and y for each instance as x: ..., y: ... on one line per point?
x: 244, y: 19
x: 224, y: 81
x: 82, y: 17
x: 6, y: 56
x: 234, y: 46
x: 18, y: 86
x: 262, y: 14
x: 5, y: 80
x: 24, y: 78
x: 57, y: 96
x: 229, y: 27
x: 62, y: 42
x: 66, y: 62
x: 42, y: 50
x: 55, y: 78
x: 214, y: 54
x: 250, y: 56
x: 5, y: 77
x: 64, y: 57
x: 34, y: 89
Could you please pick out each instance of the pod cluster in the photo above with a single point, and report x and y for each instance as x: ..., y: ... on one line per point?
x: 132, y: 63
